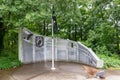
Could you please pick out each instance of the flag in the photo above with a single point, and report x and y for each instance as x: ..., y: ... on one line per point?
x: 1, y: 23
x: 55, y: 27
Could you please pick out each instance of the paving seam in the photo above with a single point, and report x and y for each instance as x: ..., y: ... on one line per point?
x: 38, y: 75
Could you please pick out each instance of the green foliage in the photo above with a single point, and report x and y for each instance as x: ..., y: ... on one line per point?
x: 102, y: 50
x: 96, y: 22
x: 102, y: 36
x: 110, y: 61
x: 7, y: 62
x: 10, y: 39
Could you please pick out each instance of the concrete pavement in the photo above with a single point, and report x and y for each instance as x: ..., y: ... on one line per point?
x: 42, y: 71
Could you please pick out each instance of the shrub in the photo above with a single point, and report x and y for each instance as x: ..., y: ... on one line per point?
x: 110, y: 61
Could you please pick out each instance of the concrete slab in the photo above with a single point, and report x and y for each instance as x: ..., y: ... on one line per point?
x: 42, y: 71
x: 59, y: 76
x: 113, y: 77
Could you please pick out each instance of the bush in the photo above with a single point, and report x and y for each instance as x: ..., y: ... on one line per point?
x: 9, y: 62
x: 102, y: 50
x: 112, y: 60
x: 9, y: 59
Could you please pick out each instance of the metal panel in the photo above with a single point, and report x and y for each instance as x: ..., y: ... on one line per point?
x: 27, y: 52
x: 38, y: 48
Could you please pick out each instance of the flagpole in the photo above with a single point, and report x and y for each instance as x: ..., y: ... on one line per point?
x: 53, y: 64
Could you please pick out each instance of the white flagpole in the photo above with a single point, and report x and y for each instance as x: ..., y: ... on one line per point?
x: 53, y: 65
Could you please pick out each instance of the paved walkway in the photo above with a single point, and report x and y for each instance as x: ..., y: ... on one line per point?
x: 64, y: 71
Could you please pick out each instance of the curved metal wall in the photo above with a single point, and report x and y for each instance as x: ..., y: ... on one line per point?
x: 37, y: 48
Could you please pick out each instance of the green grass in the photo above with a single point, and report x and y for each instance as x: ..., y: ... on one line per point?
x: 9, y: 62
x: 110, y: 61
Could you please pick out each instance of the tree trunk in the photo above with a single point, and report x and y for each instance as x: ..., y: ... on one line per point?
x: 81, y: 33
x: 44, y: 33
x: 2, y: 32
x: 117, y: 39
x: 75, y: 38
x: 69, y: 32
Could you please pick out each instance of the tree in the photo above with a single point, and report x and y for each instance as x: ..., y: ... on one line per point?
x: 114, y: 17
x: 77, y: 20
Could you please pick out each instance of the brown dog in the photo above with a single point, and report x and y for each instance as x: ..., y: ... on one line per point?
x: 94, y: 72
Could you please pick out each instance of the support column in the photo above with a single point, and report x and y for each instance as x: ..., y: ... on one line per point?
x: 33, y: 48
x: 20, y: 43
x: 45, y: 49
